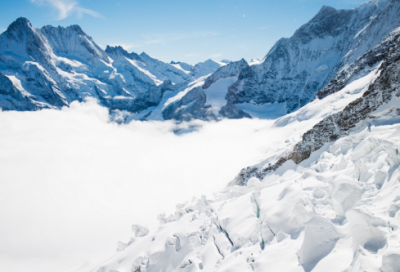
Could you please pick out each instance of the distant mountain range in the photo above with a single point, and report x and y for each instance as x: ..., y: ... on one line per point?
x: 53, y: 66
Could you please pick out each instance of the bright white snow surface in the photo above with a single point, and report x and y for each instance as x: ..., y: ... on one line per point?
x: 72, y: 183
x: 338, y: 213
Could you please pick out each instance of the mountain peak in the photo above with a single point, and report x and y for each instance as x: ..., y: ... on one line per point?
x: 116, y: 50
x: 76, y: 28
x: 326, y: 9
x: 143, y: 54
x: 22, y: 21
x: 21, y: 24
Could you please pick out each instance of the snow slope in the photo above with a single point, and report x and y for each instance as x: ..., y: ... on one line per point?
x: 334, y: 211
x: 338, y: 213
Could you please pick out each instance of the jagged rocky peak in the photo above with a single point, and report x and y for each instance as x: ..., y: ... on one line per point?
x: 116, y: 51
x: 145, y: 56
x: 23, y: 40
x: 17, y: 28
x: 327, y: 22
x: 73, y: 41
x: 297, y: 68
x: 230, y: 70
x: 17, y: 33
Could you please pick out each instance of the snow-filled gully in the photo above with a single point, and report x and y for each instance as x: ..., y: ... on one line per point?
x: 339, y: 214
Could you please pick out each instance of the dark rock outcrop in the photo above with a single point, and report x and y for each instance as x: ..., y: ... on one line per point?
x: 383, y: 90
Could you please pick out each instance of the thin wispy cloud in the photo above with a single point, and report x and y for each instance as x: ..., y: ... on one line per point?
x: 67, y: 8
x: 265, y: 27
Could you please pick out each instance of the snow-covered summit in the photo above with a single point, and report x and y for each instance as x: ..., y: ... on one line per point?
x: 72, y: 42
x: 296, y: 68
x: 53, y: 66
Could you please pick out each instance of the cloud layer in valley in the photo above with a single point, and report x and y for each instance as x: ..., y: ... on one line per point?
x: 73, y: 183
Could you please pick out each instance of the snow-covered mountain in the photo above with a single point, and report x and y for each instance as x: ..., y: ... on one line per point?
x: 297, y: 68
x: 50, y: 67
x: 53, y: 66
x: 326, y: 198
x: 332, y: 50
x: 331, y: 205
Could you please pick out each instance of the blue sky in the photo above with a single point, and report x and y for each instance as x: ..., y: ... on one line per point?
x: 179, y: 30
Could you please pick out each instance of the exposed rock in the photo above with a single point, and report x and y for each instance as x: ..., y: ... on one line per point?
x: 383, y: 90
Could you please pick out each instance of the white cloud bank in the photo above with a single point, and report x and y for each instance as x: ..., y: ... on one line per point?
x: 66, y: 8
x: 72, y: 183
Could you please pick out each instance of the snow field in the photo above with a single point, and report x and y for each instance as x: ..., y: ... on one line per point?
x: 338, y: 214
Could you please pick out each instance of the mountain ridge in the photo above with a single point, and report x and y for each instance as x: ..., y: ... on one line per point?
x: 295, y: 71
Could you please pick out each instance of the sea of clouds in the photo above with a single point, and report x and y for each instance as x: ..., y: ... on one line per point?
x: 72, y: 182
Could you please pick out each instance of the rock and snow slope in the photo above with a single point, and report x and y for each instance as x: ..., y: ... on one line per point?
x: 297, y: 68
x: 379, y: 102
x: 337, y: 213
x: 333, y: 206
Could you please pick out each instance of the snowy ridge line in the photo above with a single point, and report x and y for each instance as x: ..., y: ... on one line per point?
x: 54, y: 66
x: 385, y: 90
x: 338, y: 214
x: 57, y: 65
x: 384, y: 53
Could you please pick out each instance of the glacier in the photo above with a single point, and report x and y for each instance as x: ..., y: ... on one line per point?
x: 325, y: 194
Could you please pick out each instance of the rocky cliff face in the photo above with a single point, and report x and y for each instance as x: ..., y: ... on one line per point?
x: 380, y: 101
x: 296, y: 69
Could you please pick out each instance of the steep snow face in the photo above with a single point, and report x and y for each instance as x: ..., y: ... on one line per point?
x: 187, y: 68
x: 130, y: 66
x: 163, y: 70
x: 295, y: 69
x: 22, y: 42
x: 338, y: 213
x: 205, y: 68
x: 73, y: 43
